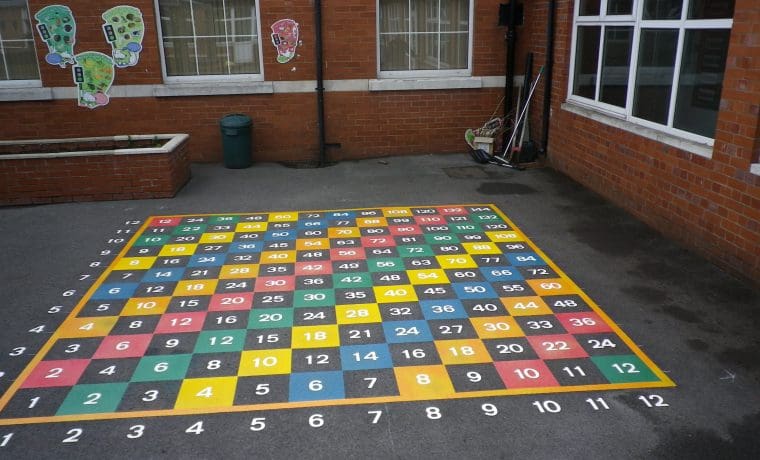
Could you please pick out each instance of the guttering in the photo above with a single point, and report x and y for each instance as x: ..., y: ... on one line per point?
x: 549, y: 65
x: 320, y: 82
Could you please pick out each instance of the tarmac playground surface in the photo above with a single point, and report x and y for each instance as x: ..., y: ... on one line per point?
x: 405, y: 307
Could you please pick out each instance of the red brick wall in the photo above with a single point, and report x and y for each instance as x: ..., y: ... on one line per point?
x: 710, y: 205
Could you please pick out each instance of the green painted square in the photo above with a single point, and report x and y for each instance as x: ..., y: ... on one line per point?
x: 416, y: 250
x: 441, y: 238
x: 488, y: 218
x: 190, y: 229
x: 350, y: 280
x: 314, y: 298
x: 270, y: 318
x: 93, y: 398
x: 222, y: 220
x: 467, y: 227
x: 152, y: 240
x: 161, y: 367
x: 385, y: 265
x: 220, y: 341
x: 624, y: 369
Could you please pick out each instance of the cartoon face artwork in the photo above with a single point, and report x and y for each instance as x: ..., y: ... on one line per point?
x: 285, y: 39
x: 124, y: 29
x: 93, y: 75
x: 56, y: 26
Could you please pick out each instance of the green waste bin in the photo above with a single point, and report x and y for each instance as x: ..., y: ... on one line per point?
x: 236, y: 140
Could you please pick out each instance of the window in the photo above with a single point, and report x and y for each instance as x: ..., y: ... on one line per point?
x: 18, y: 58
x: 210, y: 39
x: 424, y: 37
x: 659, y: 63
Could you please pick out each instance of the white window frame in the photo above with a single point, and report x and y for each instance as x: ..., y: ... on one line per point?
x: 427, y: 73
x: 249, y: 77
x: 34, y: 83
x: 638, y: 23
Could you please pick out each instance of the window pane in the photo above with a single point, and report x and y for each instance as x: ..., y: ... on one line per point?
x: 711, y: 9
x: 423, y: 16
x: 454, y: 51
x: 241, y: 17
x: 17, y: 50
x: 589, y: 7
x: 176, y: 20
x: 394, y: 52
x: 208, y: 17
x: 654, y: 75
x: 586, y: 61
x: 455, y: 15
x: 245, y: 55
x: 701, y: 80
x: 662, y: 9
x: 619, y: 6
x: 616, y: 62
x: 212, y: 56
x: 394, y: 16
x: 424, y: 51
x: 180, y: 56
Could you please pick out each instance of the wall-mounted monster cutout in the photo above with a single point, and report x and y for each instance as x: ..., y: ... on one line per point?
x: 56, y: 26
x: 285, y: 39
x: 124, y: 29
x: 93, y: 75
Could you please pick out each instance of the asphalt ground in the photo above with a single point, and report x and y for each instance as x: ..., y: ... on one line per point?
x: 695, y: 321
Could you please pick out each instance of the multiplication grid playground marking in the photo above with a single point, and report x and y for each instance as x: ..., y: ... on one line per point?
x: 225, y: 313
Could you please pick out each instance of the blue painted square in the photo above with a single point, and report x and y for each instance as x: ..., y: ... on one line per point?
x: 316, y: 386
x: 280, y: 235
x: 523, y: 259
x: 115, y: 291
x: 206, y: 260
x: 407, y: 331
x: 494, y: 274
x: 246, y: 246
x: 370, y: 356
x: 311, y: 224
x: 341, y: 215
x: 474, y: 290
x: 158, y: 275
x: 443, y: 309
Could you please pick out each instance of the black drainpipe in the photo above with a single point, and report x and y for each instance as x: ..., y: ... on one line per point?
x: 548, y: 70
x: 320, y: 82
x: 510, y: 74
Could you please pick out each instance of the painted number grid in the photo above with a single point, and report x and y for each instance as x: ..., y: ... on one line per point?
x: 215, y: 313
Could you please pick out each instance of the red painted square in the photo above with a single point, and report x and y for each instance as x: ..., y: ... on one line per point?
x: 525, y: 374
x: 165, y: 221
x: 231, y: 301
x: 59, y: 373
x: 275, y: 283
x: 402, y: 230
x: 320, y: 267
x: 557, y: 346
x: 181, y: 322
x: 429, y: 220
x: 347, y: 254
x: 379, y: 241
x: 455, y: 211
x: 123, y: 346
x: 583, y: 322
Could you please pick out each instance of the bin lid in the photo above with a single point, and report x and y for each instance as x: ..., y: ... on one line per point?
x: 236, y: 120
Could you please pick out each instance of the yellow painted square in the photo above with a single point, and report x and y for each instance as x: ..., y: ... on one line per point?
x: 432, y: 276
x: 265, y: 362
x: 135, y: 263
x: 555, y: 286
x: 397, y: 212
x: 371, y: 222
x: 98, y: 326
x: 216, y: 238
x: 206, y: 392
x: 145, y: 306
x: 526, y: 306
x: 505, y: 236
x: 277, y: 257
x: 392, y: 294
x: 456, y: 261
x: 466, y: 351
x: 343, y: 232
x: 421, y: 382
x: 195, y: 287
x: 316, y: 336
x: 172, y: 250
x: 239, y: 271
x: 358, y: 314
x: 283, y: 217
x: 312, y: 244
x: 251, y: 227
x: 496, y: 327
x: 483, y: 247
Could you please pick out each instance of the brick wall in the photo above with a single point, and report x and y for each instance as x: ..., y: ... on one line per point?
x: 710, y: 205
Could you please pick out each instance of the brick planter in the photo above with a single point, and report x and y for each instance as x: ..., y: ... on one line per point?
x: 93, y: 169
